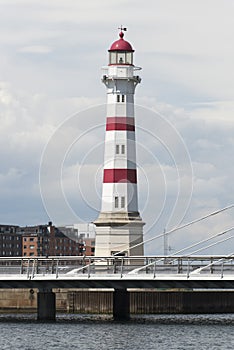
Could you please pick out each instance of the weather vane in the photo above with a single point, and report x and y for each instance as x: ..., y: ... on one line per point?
x: 122, y: 28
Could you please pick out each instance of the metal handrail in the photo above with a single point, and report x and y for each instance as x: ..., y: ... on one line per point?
x: 150, y: 266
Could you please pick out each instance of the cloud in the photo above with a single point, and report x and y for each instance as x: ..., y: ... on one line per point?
x: 37, y: 49
x: 51, y: 55
x: 28, y: 123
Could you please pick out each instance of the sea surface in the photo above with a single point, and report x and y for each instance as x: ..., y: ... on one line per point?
x: 162, y: 332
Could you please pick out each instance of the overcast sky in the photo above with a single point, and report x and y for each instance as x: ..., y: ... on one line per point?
x: 51, y: 57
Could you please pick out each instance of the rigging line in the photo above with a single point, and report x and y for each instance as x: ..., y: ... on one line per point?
x: 203, y: 241
x: 191, y: 246
x: 167, y: 232
x: 202, y: 248
x: 180, y: 227
x: 170, y: 231
x: 212, y: 244
x: 179, y: 251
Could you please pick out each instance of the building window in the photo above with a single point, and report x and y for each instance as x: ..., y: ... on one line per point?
x: 31, y: 239
x: 32, y: 247
x: 118, y: 98
x: 123, y: 98
x: 117, y: 149
x: 122, y: 202
x: 31, y: 254
x: 116, y: 202
x: 123, y: 149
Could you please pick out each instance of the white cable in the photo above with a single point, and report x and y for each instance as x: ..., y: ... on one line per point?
x: 179, y: 227
x: 192, y: 246
x: 203, y: 241
x: 167, y: 232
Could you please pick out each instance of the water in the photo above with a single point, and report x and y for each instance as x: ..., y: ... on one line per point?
x: 162, y: 332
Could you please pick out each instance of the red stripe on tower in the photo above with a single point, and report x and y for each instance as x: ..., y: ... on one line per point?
x: 120, y: 123
x: 120, y: 175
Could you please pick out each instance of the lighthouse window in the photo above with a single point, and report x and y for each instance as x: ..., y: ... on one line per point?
x: 129, y: 57
x: 112, y: 57
x: 121, y: 57
x: 117, y: 149
x: 116, y: 202
x: 122, y: 202
x: 123, y: 149
x: 122, y: 98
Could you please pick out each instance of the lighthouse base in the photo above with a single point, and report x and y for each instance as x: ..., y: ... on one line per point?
x: 119, y: 234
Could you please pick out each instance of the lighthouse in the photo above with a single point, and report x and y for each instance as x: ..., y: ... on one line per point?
x: 119, y: 227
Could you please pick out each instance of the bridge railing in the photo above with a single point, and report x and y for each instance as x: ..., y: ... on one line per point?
x: 151, y: 266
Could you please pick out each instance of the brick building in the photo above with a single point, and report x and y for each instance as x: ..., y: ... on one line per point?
x: 10, y: 241
x: 34, y: 240
x: 89, y: 246
x: 48, y: 240
x: 40, y: 240
x: 84, y: 232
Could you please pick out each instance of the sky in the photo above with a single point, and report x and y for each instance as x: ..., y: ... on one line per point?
x: 52, y: 111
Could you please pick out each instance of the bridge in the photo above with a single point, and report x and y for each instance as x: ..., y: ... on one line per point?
x: 117, y: 273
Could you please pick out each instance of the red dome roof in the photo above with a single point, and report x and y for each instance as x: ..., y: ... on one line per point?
x: 121, y: 44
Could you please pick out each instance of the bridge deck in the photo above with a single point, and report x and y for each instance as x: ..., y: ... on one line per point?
x: 118, y: 272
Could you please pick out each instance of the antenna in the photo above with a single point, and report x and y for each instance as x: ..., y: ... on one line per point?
x: 166, y: 248
x: 122, y: 28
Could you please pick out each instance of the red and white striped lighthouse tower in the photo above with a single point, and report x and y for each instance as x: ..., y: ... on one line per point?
x: 119, y: 225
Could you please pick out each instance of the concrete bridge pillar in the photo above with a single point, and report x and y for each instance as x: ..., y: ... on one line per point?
x: 121, y: 305
x: 46, y: 305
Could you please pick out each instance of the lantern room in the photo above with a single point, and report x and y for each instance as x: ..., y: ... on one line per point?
x: 121, y: 52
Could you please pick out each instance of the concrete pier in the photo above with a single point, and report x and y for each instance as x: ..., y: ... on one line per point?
x: 84, y: 301
x: 46, y: 305
x: 121, y: 305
